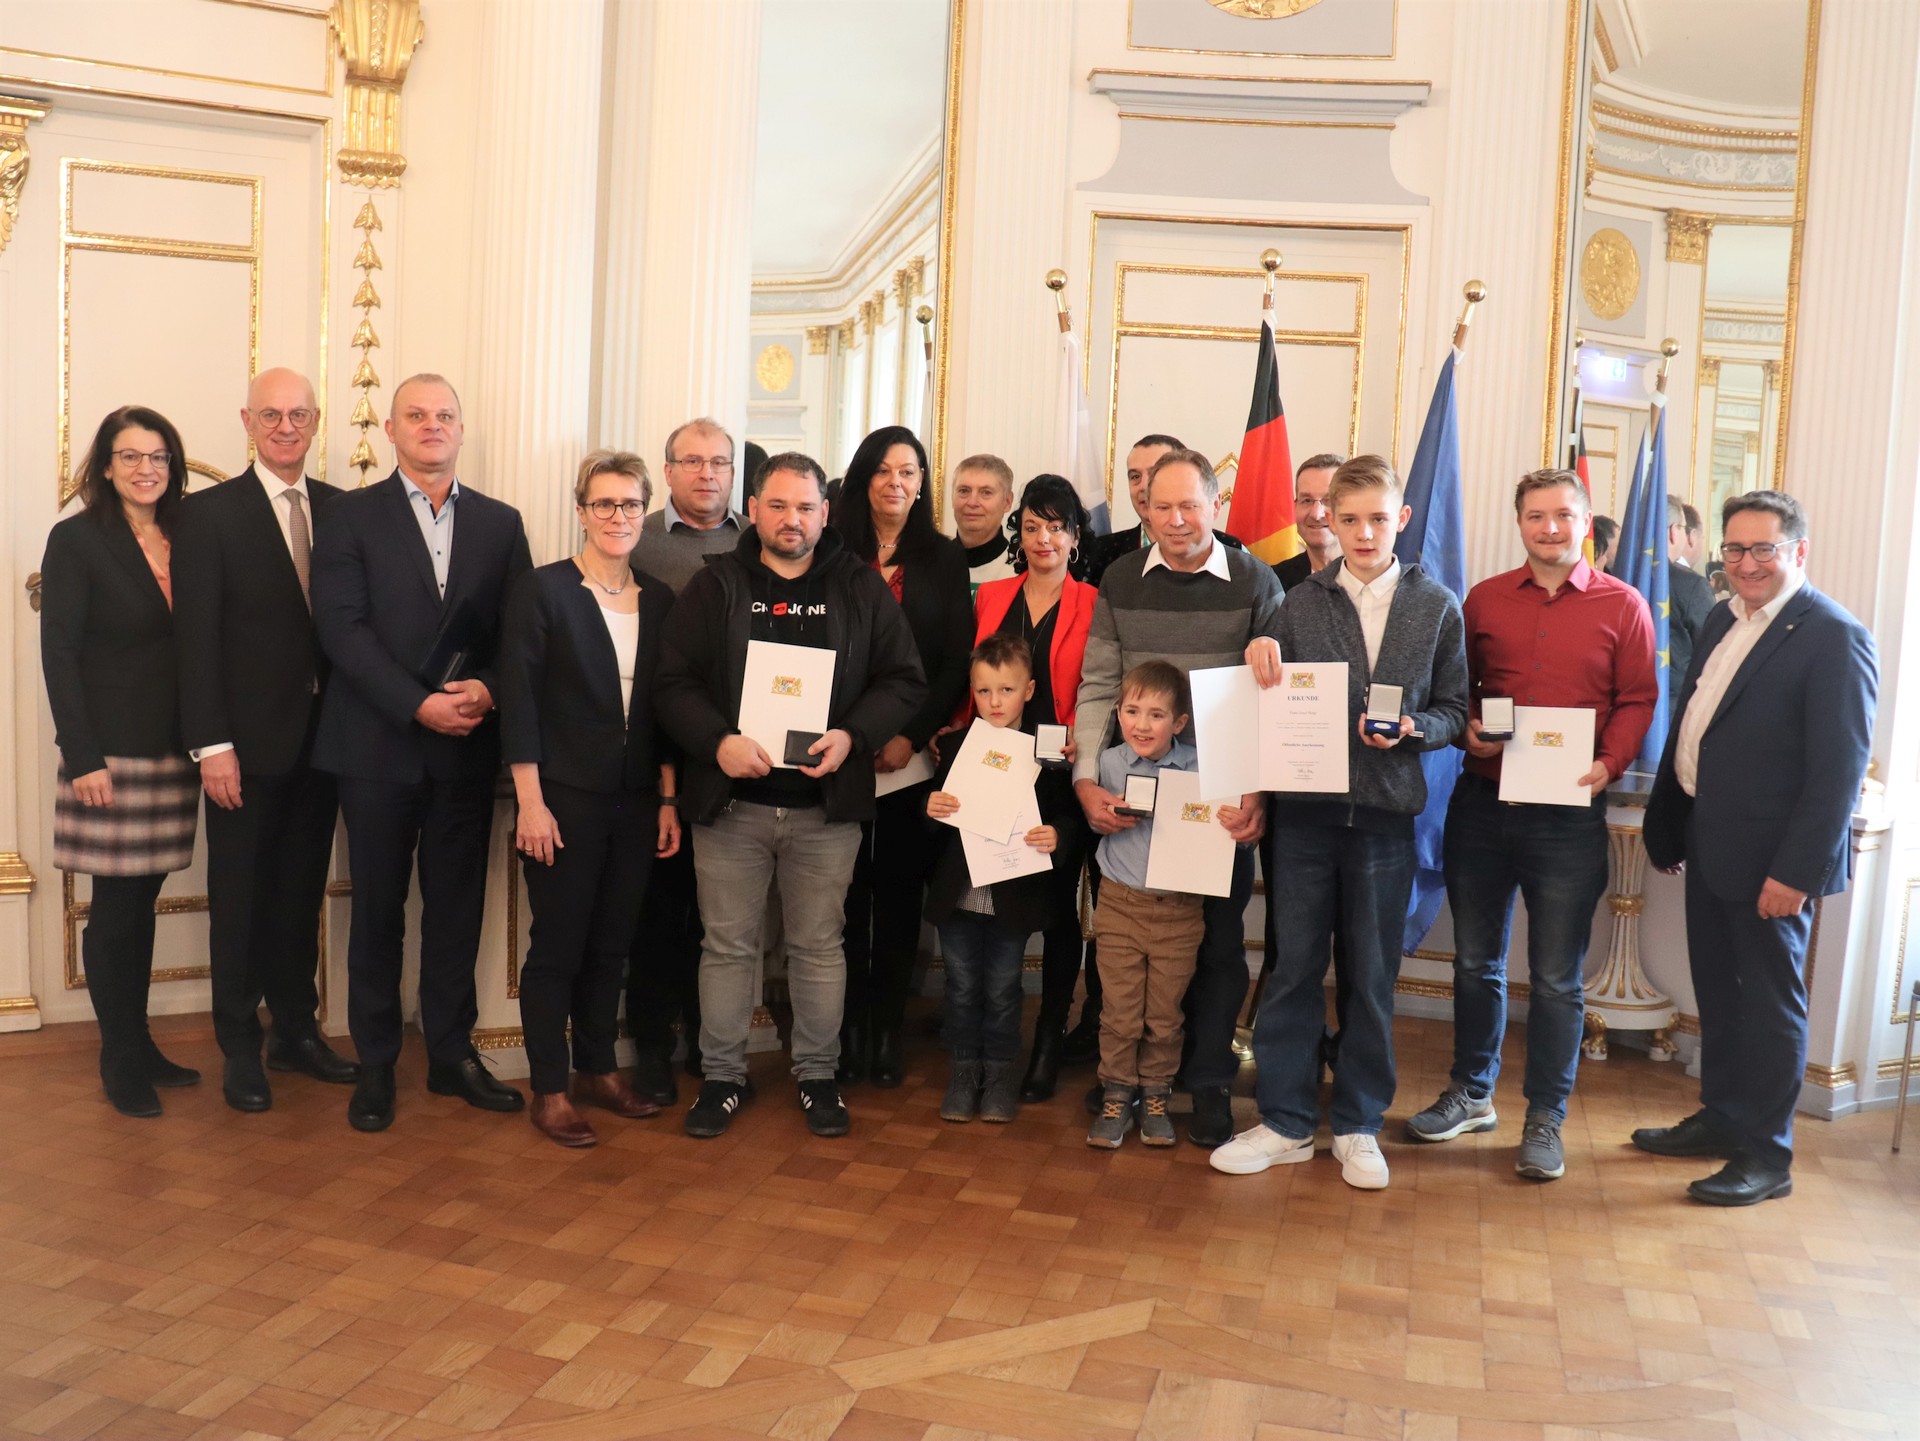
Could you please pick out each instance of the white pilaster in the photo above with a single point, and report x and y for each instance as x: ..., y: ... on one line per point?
x: 1686, y: 287
x: 1706, y: 402
x: 679, y: 228
x: 533, y: 237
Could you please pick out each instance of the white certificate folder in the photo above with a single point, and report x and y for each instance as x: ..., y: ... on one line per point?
x: 992, y: 777
x: 784, y: 688
x: 1289, y: 737
x: 1190, y: 851
x: 1552, y: 747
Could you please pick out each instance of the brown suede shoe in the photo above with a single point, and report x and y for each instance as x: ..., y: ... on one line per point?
x: 613, y: 1092
x: 553, y: 1116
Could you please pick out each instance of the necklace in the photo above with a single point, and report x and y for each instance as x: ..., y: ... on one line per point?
x: 626, y: 575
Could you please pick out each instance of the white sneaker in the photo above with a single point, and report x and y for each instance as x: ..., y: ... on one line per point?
x: 1253, y: 1150
x: 1361, y: 1164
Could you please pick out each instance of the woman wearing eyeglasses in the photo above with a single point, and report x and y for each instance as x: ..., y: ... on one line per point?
x: 127, y: 798
x: 595, y: 788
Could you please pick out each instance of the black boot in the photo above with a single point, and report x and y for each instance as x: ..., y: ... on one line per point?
x: 887, y: 1070
x: 853, y: 1053
x: 127, y: 1085
x: 1043, y: 1071
x: 1081, y: 1045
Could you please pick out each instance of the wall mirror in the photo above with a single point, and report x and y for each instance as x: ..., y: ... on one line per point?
x: 849, y: 185
x: 1686, y: 142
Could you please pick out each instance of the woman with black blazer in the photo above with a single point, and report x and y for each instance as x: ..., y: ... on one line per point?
x: 595, y: 788
x: 128, y: 799
x: 885, y: 516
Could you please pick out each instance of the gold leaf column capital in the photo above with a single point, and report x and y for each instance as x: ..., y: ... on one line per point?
x: 1687, y: 234
x: 16, y: 113
x: 378, y: 38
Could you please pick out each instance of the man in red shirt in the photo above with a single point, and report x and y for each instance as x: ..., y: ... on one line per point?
x: 1555, y: 632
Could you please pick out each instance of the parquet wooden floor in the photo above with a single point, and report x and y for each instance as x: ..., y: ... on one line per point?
x: 217, y: 1275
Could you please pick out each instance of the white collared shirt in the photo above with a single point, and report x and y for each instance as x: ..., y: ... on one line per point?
x: 1717, y: 673
x: 277, y: 492
x: 1215, y: 564
x: 1373, y: 599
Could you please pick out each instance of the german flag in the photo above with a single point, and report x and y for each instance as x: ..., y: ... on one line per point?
x: 1261, y: 516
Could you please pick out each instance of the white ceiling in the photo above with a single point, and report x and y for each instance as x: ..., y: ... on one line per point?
x: 851, y: 92
x: 1720, y: 52
x: 1749, y: 263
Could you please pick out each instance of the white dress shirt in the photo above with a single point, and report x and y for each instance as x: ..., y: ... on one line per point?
x: 1215, y: 563
x: 436, y: 528
x: 1373, y: 599
x: 1717, y: 673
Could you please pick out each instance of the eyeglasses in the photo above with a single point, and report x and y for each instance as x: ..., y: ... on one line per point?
x: 698, y: 463
x: 302, y: 418
x: 131, y: 458
x: 604, y: 509
x: 1764, y: 552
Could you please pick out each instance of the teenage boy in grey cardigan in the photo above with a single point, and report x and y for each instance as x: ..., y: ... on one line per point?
x: 1391, y: 624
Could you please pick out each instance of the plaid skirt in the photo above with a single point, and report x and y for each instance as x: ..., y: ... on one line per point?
x: 147, y: 831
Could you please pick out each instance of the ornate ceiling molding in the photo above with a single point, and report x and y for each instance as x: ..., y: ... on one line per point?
x: 1162, y: 96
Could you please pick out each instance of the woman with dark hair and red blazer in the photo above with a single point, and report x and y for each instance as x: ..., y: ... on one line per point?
x: 884, y: 515
x: 1045, y: 606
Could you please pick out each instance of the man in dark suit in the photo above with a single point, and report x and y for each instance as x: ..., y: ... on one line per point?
x: 1688, y: 592
x: 1103, y: 551
x: 251, y: 677
x: 1313, y: 518
x: 410, y: 577
x: 1754, y: 798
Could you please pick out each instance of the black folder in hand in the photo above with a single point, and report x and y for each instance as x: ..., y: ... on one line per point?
x: 459, y: 632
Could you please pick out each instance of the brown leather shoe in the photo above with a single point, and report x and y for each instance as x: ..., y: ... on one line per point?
x: 553, y: 1116
x: 612, y: 1092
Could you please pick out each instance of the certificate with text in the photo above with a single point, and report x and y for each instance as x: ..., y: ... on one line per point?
x: 988, y: 862
x: 1306, y: 727
x: 784, y: 688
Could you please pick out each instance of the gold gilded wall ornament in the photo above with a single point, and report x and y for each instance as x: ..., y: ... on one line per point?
x: 365, y: 339
x: 15, y: 159
x: 774, y: 368
x: 378, y: 38
x: 1609, y: 274
x: 1263, y: 9
x: 1687, y: 235
x: 817, y: 339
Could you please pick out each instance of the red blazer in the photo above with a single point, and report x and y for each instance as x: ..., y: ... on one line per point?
x: 1070, y: 629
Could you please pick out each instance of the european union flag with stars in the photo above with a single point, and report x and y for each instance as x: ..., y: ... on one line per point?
x: 1643, y: 565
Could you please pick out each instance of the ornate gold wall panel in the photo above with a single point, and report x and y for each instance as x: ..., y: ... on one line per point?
x: 16, y: 160
x: 377, y: 39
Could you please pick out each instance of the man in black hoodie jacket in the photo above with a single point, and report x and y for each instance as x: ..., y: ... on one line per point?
x: 789, y: 581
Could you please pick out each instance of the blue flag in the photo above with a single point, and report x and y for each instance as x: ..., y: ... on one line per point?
x: 1643, y: 565
x: 1435, y: 540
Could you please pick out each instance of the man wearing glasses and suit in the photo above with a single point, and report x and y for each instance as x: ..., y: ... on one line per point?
x: 410, y: 577
x: 252, y: 675
x: 1755, y: 799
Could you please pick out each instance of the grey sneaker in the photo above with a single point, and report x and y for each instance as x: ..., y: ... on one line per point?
x: 1454, y: 1114
x: 1541, y: 1158
x: 1000, y: 1093
x: 1110, y: 1127
x: 963, y: 1090
x: 1156, y: 1126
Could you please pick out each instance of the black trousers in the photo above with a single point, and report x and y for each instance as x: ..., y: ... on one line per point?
x: 116, y: 949
x: 885, y: 900
x: 585, y: 908
x: 663, y: 971
x: 266, y: 881
x: 1061, y: 944
x: 446, y: 822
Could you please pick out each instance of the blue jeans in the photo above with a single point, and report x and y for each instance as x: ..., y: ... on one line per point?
x: 1555, y: 857
x: 1328, y: 877
x: 983, y: 963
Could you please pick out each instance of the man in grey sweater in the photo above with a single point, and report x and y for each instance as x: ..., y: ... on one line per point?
x: 1393, y: 625
x: 1192, y: 601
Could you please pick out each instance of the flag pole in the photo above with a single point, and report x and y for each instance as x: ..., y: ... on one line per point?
x: 1057, y: 283
x: 1269, y: 262
x: 1475, y: 291
x: 1668, y: 349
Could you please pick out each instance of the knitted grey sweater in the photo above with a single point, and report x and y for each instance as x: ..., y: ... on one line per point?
x: 1423, y: 651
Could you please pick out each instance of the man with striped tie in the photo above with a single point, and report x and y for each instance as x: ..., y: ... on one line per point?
x: 251, y: 678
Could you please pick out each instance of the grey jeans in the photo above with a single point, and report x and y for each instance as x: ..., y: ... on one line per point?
x: 734, y: 859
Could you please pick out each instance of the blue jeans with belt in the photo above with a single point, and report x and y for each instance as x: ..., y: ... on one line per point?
x: 1555, y: 858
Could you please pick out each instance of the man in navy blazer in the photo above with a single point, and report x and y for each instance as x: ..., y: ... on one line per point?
x: 1754, y: 799
x: 410, y: 578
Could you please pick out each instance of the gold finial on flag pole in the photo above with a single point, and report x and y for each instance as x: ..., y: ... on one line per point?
x: 1668, y: 349
x: 925, y: 316
x: 1269, y: 262
x: 1057, y: 283
x: 1475, y: 291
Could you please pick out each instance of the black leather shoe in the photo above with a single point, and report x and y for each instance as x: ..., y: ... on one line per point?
x: 472, y: 1082
x: 1043, y: 1070
x: 129, y: 1091
x: 1212, y: 1121
x: 1743, y: 1181
x: 1082, y: 1043
x: 852, y: 1069
x: 162, y: 1072
x: 310, y: 1055
x: 653, y: 1078
x: 244, y: 1084
x: 888, y: 1070
x: 1695, y: 1136
x: 371, y: 1108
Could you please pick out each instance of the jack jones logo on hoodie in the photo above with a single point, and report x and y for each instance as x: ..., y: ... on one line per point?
x: 784, y: 608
